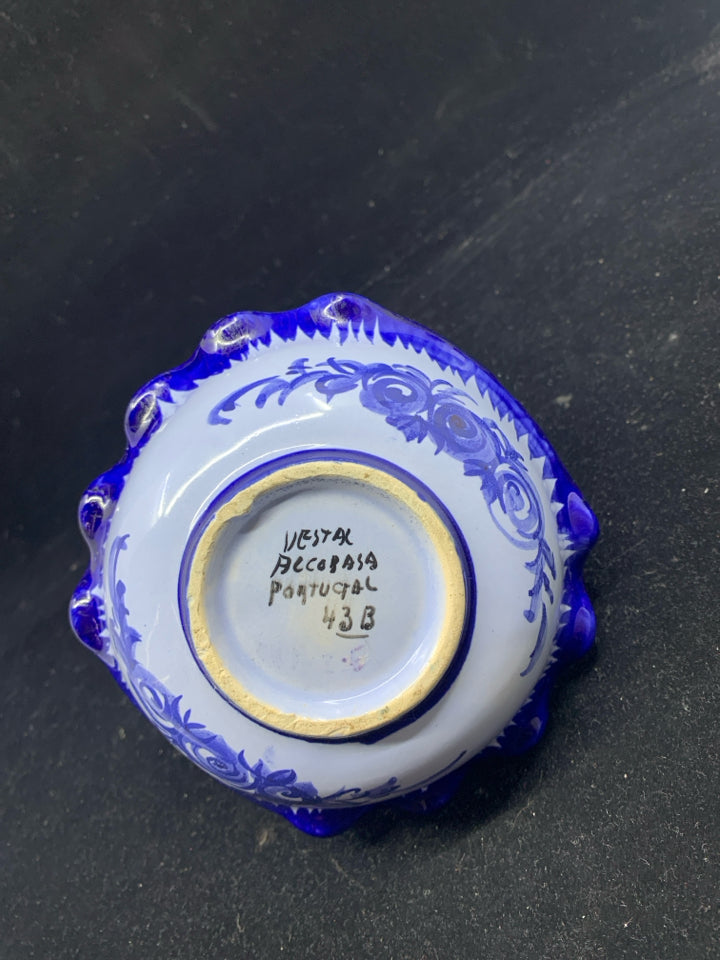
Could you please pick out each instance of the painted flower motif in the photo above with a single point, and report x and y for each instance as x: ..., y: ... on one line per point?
x: 214, y: 755
x: 149, y: 693
x: 462, y: 432
x: 519, y: 514
x: 395, y: 392
x: 419, y: 407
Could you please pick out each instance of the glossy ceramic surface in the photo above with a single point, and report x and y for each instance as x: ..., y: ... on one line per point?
x: 337, y: 561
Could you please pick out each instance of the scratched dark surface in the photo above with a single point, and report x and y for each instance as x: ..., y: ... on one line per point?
x: 537, y: 182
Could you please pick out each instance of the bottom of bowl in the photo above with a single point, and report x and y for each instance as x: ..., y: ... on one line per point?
x: 325, y: 596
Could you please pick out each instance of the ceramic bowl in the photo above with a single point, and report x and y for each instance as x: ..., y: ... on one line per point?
x: 336, y: 562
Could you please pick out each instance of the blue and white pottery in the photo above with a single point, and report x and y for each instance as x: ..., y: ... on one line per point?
x: 336, y: 562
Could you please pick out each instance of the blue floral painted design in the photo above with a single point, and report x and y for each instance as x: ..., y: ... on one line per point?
x: 205, y: 748
x: 422, y: 408
x: 403, y: 400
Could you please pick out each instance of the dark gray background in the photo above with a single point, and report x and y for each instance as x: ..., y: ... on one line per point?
x: 540, y: 183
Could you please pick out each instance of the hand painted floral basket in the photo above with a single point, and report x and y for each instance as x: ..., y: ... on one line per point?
x: 337, y: 562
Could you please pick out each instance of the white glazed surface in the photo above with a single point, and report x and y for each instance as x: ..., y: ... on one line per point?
x: 337, y: 642
x: 189, y: 462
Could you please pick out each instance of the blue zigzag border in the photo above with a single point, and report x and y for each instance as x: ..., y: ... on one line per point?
x: 232, y: 339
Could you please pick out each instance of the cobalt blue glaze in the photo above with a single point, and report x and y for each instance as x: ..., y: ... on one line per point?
x: 423, y: 411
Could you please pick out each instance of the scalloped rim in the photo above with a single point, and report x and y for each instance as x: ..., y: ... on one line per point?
x: 231, y: 339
